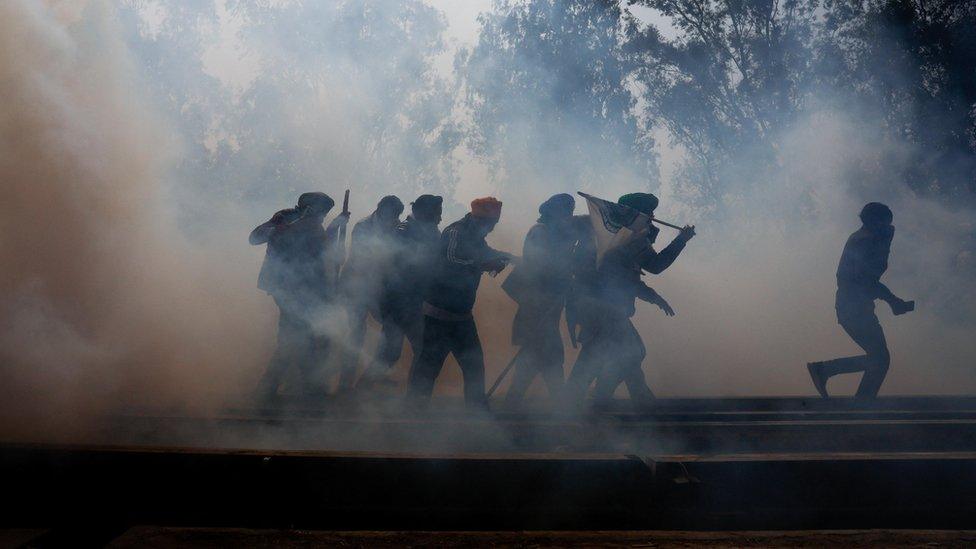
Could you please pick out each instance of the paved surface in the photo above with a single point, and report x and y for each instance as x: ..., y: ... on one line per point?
x: 727, y: 464
x: 205, y: 538
x: 674, y: 426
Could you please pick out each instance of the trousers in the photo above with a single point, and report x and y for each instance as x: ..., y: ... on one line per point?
x: 299, y: 346
x: 861, y: 323
x: 536, y: 331
x: 440, y: 338
x: 612, y: 353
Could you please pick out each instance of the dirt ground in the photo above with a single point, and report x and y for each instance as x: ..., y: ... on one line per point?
x: 153, y: 537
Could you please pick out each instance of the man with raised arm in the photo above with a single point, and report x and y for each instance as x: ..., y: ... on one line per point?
x: 295, y: 273
x: 604, y: 300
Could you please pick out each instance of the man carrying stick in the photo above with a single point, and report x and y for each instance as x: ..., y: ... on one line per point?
x: 295, y: 274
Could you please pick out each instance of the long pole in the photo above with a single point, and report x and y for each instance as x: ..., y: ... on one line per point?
x: 345, y: 210
x: 653, y: 219
x: 511, y: 364
x: 341, y: 240
x: 665, y: 223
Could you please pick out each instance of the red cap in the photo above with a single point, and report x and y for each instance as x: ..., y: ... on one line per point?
x: 488, y: 207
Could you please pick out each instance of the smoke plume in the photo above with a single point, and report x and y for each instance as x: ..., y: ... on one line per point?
x: 132, y: 175
x: 104, y: 302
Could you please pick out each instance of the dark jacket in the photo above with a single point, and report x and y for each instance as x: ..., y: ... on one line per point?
x: 547, y: 264
x: 863, y: 262
x: 415, y: 260
x: 541, y: 281
x: 460, y: 256
x: 616, y: 282
x: 296, y: 260
x: 371, y: 253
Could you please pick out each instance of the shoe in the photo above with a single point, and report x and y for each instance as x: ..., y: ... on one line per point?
x: 819, y: 381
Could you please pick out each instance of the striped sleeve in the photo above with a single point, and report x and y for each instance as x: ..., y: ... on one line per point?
x: 452, y: 245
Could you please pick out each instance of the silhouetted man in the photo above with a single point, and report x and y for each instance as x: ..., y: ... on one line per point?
x: 604, y: 296
x: 417, y: 241
x: 364, y: 277
x: 449, y: 327
x: 295, y: 274
x: 539, y: 284
x: 864, y: 261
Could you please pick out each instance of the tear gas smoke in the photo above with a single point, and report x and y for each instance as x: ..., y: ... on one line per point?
x: 127, y: 276
x: 104, y: 302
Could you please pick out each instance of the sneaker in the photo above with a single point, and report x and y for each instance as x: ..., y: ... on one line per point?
x: 819, y: 381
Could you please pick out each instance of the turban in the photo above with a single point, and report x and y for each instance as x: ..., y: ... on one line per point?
x: 645, y: 203
x: 557, y: 203
x: 488, y: 207
x: 319, y: 202
x: 427, y: 203
x: 390, y: 202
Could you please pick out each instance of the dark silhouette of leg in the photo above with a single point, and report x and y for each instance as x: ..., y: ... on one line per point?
x: 315, y: 348
x: 587, y: 366
x: 550, y: 364
x: 470, y: 356
x: 870, y: 337
x: 387, y: 353
x: 624, y: 355
x: 437, y: 343
x: 525, y: 372
x: 633, y: 374
x: 312, y: 365
x: 287, y: 350
x: 866, y: 331
x: 543, y: 355
x: 357, y: 333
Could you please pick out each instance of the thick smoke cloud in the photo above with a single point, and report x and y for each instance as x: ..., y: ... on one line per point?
x: 132, y: 176
x: 103, y: 301
x: 755, y: 291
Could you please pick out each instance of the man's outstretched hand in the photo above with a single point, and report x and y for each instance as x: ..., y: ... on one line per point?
x: 495, y: 265
x: 687, y: 233
x: 664, y: 305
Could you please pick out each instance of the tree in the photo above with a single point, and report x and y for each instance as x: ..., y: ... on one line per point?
x: 352, y: 85
x: 909, y: 64
x: 728, y: 86
x: 547, y: 89
x: 345, y: 95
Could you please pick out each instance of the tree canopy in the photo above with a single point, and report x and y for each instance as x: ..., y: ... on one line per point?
x: 572, y: 93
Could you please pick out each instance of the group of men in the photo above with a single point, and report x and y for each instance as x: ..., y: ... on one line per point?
x: 420, y: 283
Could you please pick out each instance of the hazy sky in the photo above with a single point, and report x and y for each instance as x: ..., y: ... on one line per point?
x: 228, y: 59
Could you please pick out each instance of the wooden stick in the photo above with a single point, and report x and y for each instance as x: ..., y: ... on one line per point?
x: 511, y: 364
x: 341, y: 237
x: 665, y: 223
